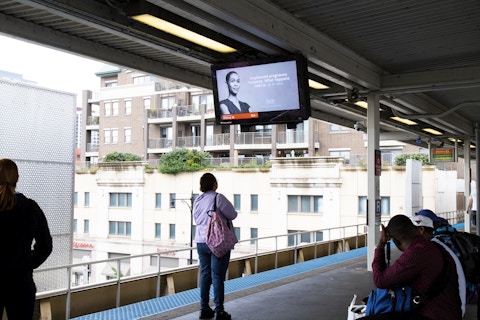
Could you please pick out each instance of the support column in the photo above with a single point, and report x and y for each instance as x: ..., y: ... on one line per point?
x: 373, y: 173
x: 467, y: 179
x: 477, y: 165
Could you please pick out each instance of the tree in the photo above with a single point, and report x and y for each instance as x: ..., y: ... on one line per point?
x: 183, y: 160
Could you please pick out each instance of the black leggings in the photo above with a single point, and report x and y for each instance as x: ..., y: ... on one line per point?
x: 18, y: 299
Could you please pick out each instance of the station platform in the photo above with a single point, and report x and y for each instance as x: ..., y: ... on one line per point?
x: 321, y: 288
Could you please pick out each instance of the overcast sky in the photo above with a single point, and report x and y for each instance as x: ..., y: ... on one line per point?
x: 48, y: 67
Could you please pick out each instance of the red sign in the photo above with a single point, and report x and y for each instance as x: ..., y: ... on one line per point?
x: 82, y: 245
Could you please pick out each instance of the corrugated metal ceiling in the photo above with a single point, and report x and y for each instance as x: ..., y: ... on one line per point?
x: 422, y: 57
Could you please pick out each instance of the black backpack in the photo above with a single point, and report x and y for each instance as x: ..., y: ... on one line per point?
x: 467, y: 248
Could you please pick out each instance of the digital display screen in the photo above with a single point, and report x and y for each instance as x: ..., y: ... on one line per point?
x: 265, y: 91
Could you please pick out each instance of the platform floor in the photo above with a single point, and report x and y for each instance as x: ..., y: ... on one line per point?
x: 323, y: 293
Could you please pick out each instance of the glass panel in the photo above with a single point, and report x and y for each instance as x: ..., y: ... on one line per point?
x: 121, y: 228
x: 292, y: 203
x: 121, y: 199
x: 305, y: 204
x: 158, y: 230
x: 254, y: 198
x: 236, y: 201
x: 112, y: 227
x: 158, y: 200
x: 385, y: 206
x: 362, y: 205
x: 318, y: 204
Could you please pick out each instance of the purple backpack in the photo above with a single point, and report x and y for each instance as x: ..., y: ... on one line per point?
x: 221, y: 237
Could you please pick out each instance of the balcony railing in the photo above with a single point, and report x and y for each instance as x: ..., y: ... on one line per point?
x: 181, y: 111
x: 160, y: 143
x: 188, y: 142
x: 222, y: 139
x: 92, y: 147
x: 292, y: 137
x: 253, y: 138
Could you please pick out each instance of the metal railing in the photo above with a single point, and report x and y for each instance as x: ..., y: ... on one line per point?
x: 252, y: 248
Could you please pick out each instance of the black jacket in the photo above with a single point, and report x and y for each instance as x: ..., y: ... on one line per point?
x: 25, y: 239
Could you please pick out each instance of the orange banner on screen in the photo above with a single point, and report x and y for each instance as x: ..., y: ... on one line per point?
x: 237, y: 116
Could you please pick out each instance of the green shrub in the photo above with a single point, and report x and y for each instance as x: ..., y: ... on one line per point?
x: 183, y: 160
x: 119, y: 156
x: 401, y: 160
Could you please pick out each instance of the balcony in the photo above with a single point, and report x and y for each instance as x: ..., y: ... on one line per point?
x: 92, y: 147
x: 93, y: 120
x: 160, y: 143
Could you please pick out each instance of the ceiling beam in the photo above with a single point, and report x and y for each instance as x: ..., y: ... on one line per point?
x: 466, y: 77
x: 89, y: 49
x: 266, y: 21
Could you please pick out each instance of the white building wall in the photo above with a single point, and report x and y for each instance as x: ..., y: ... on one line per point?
x: 339, y: 185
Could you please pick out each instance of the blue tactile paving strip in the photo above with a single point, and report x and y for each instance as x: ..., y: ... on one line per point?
x: 162, y: 304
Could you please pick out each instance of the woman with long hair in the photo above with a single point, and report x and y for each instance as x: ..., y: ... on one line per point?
x: 22, y: 224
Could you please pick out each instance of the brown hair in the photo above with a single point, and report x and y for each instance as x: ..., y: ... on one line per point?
x: 207, y: 182
x: 8, y: 183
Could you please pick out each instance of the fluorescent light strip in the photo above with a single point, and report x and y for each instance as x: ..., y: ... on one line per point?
x: 316, y: 85
x: 405, y: 121
x: 183, y: 33
x: 433, y: 131
x: 362, y: 104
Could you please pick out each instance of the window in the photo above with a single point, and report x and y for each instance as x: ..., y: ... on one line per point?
x: 384, y: 205
x: 107, y: 136
x: 254, y: 202
x: 114, y: 135
x: 74, y: 225
x: 237, y: 232
x: 172, y: 232
x: 128, y: 107
x: 87, y: 199
x: 158, y: 230
x: 141, y: 79
x: 236, y: 201
x: 298, y: 237
x: 253, y: 235
x: 146, y: 103
x: 305, y: 204
x: 112, y: 83
x: 127, y: 132
x: 362, y: 205
x: 86, y: 226
x: 119, y: 228
x: 337, y: 128
x: 172, y: 200
x: 345, y: 154
x: 120, y: 199
x: 75, y: 198
x: 319, y: 236
x: 115, y: 108
x: 168, y: 102
x: 108, y: 109
x: 158, y: 200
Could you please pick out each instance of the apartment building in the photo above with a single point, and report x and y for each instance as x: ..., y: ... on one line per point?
x: 148, y: 116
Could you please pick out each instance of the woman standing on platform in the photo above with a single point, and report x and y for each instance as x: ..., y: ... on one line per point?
x: 212, y: 269
x: 21, y: 222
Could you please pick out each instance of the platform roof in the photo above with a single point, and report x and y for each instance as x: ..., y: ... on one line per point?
x: 421, y: 57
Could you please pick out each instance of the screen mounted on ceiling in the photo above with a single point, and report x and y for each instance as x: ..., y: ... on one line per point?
x: 267, y: 91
